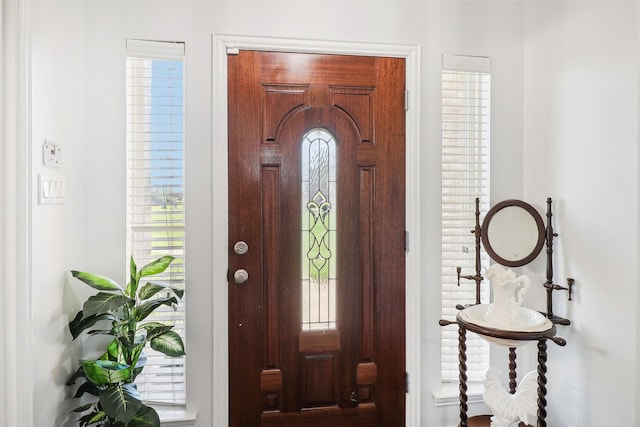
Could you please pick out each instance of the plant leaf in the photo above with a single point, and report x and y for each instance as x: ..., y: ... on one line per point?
x: 150, y: 289
x: 101, y: 372
x: 100, y: 332
x: 132, y: 287
x: 146, y: 417
x: 79, y: 373
x: 83, y: 408
x: 157, y: 266
x: 114, y: 352
x: 168, y: 343
x: 155, y: 329
x: 121, y: 401
x: 84, y: 421
x: 140, y: 363
x: 147, y: 307
x: 133, y: 269
x: 99, y: 416
x: 103, y: 302
x: 142, y: 360
x: 149, y: 326
x: 82, y: 322
x: 95, y: 281
x: 86, y: 387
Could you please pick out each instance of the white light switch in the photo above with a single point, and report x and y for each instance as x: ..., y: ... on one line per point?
x: 52, y: 189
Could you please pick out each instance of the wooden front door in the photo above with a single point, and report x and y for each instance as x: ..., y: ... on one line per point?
x: 316, y: 240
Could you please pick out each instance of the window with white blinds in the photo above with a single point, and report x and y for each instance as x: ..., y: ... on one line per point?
x: 155, y: 192
x: 465, y: 176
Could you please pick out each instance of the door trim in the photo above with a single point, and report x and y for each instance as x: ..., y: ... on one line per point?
x: 219, y: 185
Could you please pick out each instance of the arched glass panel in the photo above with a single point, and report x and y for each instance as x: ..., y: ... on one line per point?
x: 319, y: 207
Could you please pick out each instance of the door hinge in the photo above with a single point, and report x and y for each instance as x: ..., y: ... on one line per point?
x: 232, y: 50
x: 406, y: 100
x: 406, y: 382
x: 406, y: 241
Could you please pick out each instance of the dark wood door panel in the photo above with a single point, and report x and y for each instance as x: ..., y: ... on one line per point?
x: 365, y: 416
x: 350, y: 372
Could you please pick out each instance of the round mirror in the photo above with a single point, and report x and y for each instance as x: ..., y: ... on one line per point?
x: 513, y: 233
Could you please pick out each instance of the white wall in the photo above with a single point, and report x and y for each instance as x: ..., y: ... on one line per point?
x: 547, y: 141
x: 57, y: 113
x: 581, y: 148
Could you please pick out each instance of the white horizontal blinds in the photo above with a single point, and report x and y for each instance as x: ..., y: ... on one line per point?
x: 155, y: 192
x: 465, y: 176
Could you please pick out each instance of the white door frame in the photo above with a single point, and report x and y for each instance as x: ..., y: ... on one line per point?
x: 220, y: 45
x: 16, y: 393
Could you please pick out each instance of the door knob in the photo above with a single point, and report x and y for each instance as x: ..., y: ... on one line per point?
x: 240, y: 276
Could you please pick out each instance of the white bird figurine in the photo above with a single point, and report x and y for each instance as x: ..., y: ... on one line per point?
x: 508, y: 408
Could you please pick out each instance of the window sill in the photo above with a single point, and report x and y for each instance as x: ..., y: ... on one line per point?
x: 449, y: 394
x: 171, y: 416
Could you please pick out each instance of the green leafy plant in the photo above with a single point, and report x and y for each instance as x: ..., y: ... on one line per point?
x: 109, y: 380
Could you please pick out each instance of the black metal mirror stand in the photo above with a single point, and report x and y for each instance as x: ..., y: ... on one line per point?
x: 540, y: 337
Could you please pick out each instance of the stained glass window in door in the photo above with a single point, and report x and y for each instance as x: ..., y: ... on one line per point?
x: 319, y: 230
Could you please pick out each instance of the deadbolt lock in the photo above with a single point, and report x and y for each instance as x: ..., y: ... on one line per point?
x: 240, y: 247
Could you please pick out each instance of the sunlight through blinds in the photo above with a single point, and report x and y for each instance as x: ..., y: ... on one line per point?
x: 466, y: 100
x: 155, y: 192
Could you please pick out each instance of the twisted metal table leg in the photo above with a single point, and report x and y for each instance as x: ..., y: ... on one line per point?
x: 462, y: 364
x: 542, y: 383
x: 512, y: 370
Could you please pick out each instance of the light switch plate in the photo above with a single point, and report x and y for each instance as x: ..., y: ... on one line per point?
x: 52, y: 189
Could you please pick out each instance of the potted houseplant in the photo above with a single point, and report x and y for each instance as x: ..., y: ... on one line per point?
x: 107, y: 383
